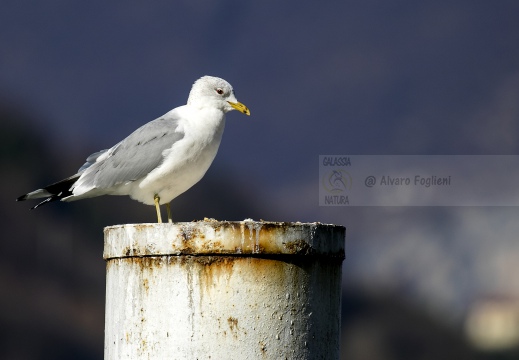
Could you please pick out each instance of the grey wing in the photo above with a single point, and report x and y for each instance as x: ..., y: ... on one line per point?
x: 91, y: 160
x: 134, y: 157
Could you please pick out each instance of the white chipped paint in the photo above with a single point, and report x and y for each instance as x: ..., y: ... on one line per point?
x: 187, y: 307
x: 213, y: 237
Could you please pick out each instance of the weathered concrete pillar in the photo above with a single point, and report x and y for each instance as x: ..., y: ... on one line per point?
x: 223, y: 290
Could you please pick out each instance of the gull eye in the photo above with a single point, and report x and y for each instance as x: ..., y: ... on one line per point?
x: 219, y: 91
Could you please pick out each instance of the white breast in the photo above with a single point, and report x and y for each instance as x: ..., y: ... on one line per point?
x: 186, y: 162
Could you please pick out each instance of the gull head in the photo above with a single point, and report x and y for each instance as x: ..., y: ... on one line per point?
x: 210, y: 91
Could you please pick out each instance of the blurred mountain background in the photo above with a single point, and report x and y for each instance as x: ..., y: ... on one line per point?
x: 368, y: 77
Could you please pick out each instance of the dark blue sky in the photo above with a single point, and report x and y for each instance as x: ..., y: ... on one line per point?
x: 371, y: 77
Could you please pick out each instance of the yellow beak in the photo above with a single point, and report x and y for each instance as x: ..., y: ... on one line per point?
x: 240, y: 107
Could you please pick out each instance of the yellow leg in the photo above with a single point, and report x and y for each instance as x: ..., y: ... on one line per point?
x: 157, y: 206
x: 170, y: 220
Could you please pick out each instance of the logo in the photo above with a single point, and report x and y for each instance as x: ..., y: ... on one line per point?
x: 336, y: 181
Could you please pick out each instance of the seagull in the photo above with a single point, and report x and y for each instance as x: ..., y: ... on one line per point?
x: 161, y: 159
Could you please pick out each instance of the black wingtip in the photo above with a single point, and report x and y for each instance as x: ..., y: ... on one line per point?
x: 55, y: 191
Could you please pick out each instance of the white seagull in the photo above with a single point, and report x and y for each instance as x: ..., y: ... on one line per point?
x: 161, y: 159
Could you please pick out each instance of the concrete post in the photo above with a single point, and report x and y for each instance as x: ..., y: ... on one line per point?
x: 223, y: 290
